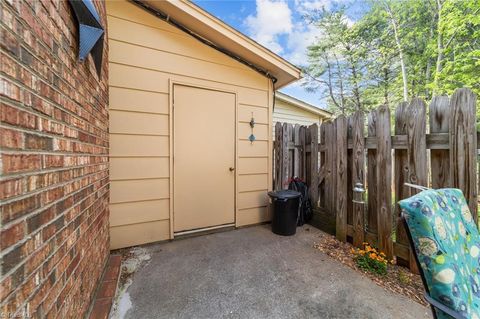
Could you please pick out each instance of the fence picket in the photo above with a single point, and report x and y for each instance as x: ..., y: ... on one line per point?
x: 329, y: 184
x: 358, y: 176
x: 349, y: 176
x: 313, y: 190
x: 341, y: 178
x: 417, y: 145
x: 463, y: 146
x: 297, y: 151
x: 285, y: 156
x: 384, y: 181
x: 439, y: 159
x: 332, y: 161
x: 372, y: 176
x: 303, y: 142
x: 400, y: 173
x: 278, y: 156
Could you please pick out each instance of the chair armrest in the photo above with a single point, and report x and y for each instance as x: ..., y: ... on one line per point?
x: 443, y: 308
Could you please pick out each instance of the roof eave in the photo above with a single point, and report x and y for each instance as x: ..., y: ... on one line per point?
x: 303, y: 105
x: 226, y: 37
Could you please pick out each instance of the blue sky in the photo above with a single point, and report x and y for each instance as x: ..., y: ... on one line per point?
x: 278, y: 25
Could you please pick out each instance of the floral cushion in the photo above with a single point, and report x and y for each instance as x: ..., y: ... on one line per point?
x: 447, y: 244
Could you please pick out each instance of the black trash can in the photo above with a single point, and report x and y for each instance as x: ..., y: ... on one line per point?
x: 285, y: 211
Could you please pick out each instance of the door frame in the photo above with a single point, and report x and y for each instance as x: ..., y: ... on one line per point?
x: 199, y: 85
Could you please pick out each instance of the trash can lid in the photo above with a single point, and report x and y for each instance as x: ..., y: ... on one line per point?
x: 284, y: 194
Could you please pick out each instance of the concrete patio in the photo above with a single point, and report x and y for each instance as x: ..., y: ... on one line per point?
x: 252, y: 273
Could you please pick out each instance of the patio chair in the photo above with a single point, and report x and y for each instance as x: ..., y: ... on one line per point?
x: 446, y: 245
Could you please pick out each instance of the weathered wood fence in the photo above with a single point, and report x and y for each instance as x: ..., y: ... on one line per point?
x: 349, y: 153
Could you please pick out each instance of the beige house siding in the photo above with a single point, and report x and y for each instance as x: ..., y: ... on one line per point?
x: 286, y: 112
x: 146, y: 57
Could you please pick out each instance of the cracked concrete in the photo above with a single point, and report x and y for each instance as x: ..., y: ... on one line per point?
x: 253, y: 273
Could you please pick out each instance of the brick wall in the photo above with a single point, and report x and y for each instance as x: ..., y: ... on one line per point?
x: 53, y: 162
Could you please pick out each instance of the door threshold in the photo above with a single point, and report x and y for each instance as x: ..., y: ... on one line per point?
x: 203, y: 231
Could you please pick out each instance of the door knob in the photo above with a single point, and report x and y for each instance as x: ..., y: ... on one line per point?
x: 232, y: 169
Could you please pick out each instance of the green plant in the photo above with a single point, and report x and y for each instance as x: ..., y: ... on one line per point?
x: 370, y: 259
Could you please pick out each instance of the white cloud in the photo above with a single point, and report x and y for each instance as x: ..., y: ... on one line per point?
x: 298, y: 40
x: 272, y: 19
x: 307, y: 6
x: 283, y: 30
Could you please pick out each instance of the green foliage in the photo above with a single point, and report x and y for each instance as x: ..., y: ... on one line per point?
x: 370, y: 259
x: 371, y: 265
x: 358, y: 66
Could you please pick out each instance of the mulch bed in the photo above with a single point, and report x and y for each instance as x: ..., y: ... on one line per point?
x: 397, y: 280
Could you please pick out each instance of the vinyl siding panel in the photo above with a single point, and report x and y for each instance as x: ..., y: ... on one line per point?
x: 253, y: 165
x: 145, y: 55
x: 138, y: 234
x: 252, y: 216
x: 289, y: 113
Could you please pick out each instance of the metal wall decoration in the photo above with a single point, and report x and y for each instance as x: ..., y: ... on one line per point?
x: 91, y: 32
x: 251, y: 138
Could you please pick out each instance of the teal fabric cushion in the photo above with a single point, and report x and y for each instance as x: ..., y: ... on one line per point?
x: 447, y: 244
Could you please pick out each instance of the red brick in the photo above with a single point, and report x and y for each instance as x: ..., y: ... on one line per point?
x: 8, y: 65
x: 36, y: 221
x: 9, y: 42
x: 56, y: 207
x: 14, y: 116
x: 20, y: 207
x: 37, y: 142
x: 35, y: 259
x: 51, y: 161
x: 10, y: 90
x: 11, y: 187
x: 101, y: 309
x: 16, y: 163
x: 111, y: 273
x: 11, y: 139
x: 12, y: 234
x: 13, y: 258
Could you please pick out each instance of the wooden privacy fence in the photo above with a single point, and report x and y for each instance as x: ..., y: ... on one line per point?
x: 348, y: 153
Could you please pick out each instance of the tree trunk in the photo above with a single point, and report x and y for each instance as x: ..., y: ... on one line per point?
x: 330, y: 86
x: 400, y: 51
x: 440, y: 48
x: 356, y: 90
x: 429, y: 65
x: 340, y: 78
x: 386, y: 80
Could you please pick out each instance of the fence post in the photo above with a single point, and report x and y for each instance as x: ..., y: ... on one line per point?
x: 341, y: 178
x: 463, y: 146
x: 384, y: 181
x: 313, y: 187
x: 358, y: 177
x: 440, y: 159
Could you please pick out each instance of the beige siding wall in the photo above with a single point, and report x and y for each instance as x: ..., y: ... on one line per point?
x: 288, y: 113
x: 146, y: 56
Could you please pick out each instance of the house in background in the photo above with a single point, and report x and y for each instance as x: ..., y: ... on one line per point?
x: 291, y: 110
